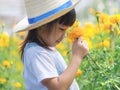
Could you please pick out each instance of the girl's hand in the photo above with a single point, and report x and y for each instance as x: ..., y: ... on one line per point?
x: 80, y: 48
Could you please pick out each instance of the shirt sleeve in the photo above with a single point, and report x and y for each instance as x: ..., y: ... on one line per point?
x: 42, y: 66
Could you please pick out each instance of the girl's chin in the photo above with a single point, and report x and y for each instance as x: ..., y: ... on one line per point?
x: 54, y: 44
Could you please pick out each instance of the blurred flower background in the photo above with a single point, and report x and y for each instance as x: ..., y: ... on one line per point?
x: 98, y: 21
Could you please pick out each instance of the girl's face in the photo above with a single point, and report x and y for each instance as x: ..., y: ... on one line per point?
x: 54, y: 36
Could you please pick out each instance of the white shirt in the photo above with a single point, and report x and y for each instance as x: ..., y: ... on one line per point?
x: 41, y: 63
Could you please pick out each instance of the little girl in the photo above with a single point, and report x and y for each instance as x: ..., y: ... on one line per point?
x: 44, y: 67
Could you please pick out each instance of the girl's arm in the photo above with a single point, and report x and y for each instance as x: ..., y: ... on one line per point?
x: 63, y: 82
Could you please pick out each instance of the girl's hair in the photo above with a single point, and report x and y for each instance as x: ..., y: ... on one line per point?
x: 68, y: 19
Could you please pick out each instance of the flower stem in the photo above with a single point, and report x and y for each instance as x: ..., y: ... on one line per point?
x: 112, y: 36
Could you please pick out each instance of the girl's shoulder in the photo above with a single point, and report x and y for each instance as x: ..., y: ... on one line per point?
x: 34, y: 47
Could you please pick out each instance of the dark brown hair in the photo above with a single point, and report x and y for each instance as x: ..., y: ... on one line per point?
x: 68, y: 19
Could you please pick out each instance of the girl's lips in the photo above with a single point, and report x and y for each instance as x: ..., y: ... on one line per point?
x: 58, y: 41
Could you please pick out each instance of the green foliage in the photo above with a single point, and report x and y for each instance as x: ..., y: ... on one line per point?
x: 10, y: 64
x: 101, y: 70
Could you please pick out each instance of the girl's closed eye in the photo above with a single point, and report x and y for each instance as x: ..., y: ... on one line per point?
x: 62, y: 29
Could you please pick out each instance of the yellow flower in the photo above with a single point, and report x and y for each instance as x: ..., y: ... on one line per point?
x: 4, y: 39
x: 92, y: 11
x: 17, y: 85
x: 20, y: 67
x: 15, y: 39
x: 88, y: 41
x: 64, y: 53
x: 88, y: 25
x: 105, y: 43
x: 60, y: 46
x: 118, y: 32
x: 89, y: 30
x: 115, y: 19
x: 107, y: 26
x: 79, y: 72
x: 6, y: 63
x: 76, y: 24
x: 103, y: 18
x: 21, y: 33
x: 99, y: 28
x: 3, y: 80
x: 75, y: 33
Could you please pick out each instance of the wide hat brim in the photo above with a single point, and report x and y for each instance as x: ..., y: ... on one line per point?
x: 24, y: 25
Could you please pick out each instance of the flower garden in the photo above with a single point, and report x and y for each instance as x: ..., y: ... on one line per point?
x: 100, y: 69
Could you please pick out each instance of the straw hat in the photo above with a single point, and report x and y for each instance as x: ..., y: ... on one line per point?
x: 40, y: 12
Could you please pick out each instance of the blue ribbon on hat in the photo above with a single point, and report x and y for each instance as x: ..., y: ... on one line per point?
x: 50, y: 13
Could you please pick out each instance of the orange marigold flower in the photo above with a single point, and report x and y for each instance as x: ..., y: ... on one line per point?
x: 6, y: 63
x: 79, y: 72
x: 107, y: 26
x: 76, y: 33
